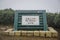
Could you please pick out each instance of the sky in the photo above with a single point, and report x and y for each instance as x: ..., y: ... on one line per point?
x: 48, y: 5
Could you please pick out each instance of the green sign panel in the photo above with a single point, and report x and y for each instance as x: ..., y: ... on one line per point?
x: 30, y: 20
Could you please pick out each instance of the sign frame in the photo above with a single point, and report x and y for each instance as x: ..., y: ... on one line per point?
x: 42, y: 14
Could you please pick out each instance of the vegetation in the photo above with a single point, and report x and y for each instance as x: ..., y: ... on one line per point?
x: 7, y: 18
x: 53, y: 19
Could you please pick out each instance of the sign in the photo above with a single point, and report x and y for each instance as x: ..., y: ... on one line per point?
x: 30, y: 20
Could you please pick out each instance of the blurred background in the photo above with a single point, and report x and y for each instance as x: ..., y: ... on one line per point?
x: 8, y: 7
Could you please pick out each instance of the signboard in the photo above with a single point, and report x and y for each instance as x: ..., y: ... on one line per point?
x: 30, y: 20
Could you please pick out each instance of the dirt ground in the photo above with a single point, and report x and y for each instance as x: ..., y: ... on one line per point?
x: 58, y: 29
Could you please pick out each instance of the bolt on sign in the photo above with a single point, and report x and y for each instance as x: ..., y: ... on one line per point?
x: 30, y: 20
